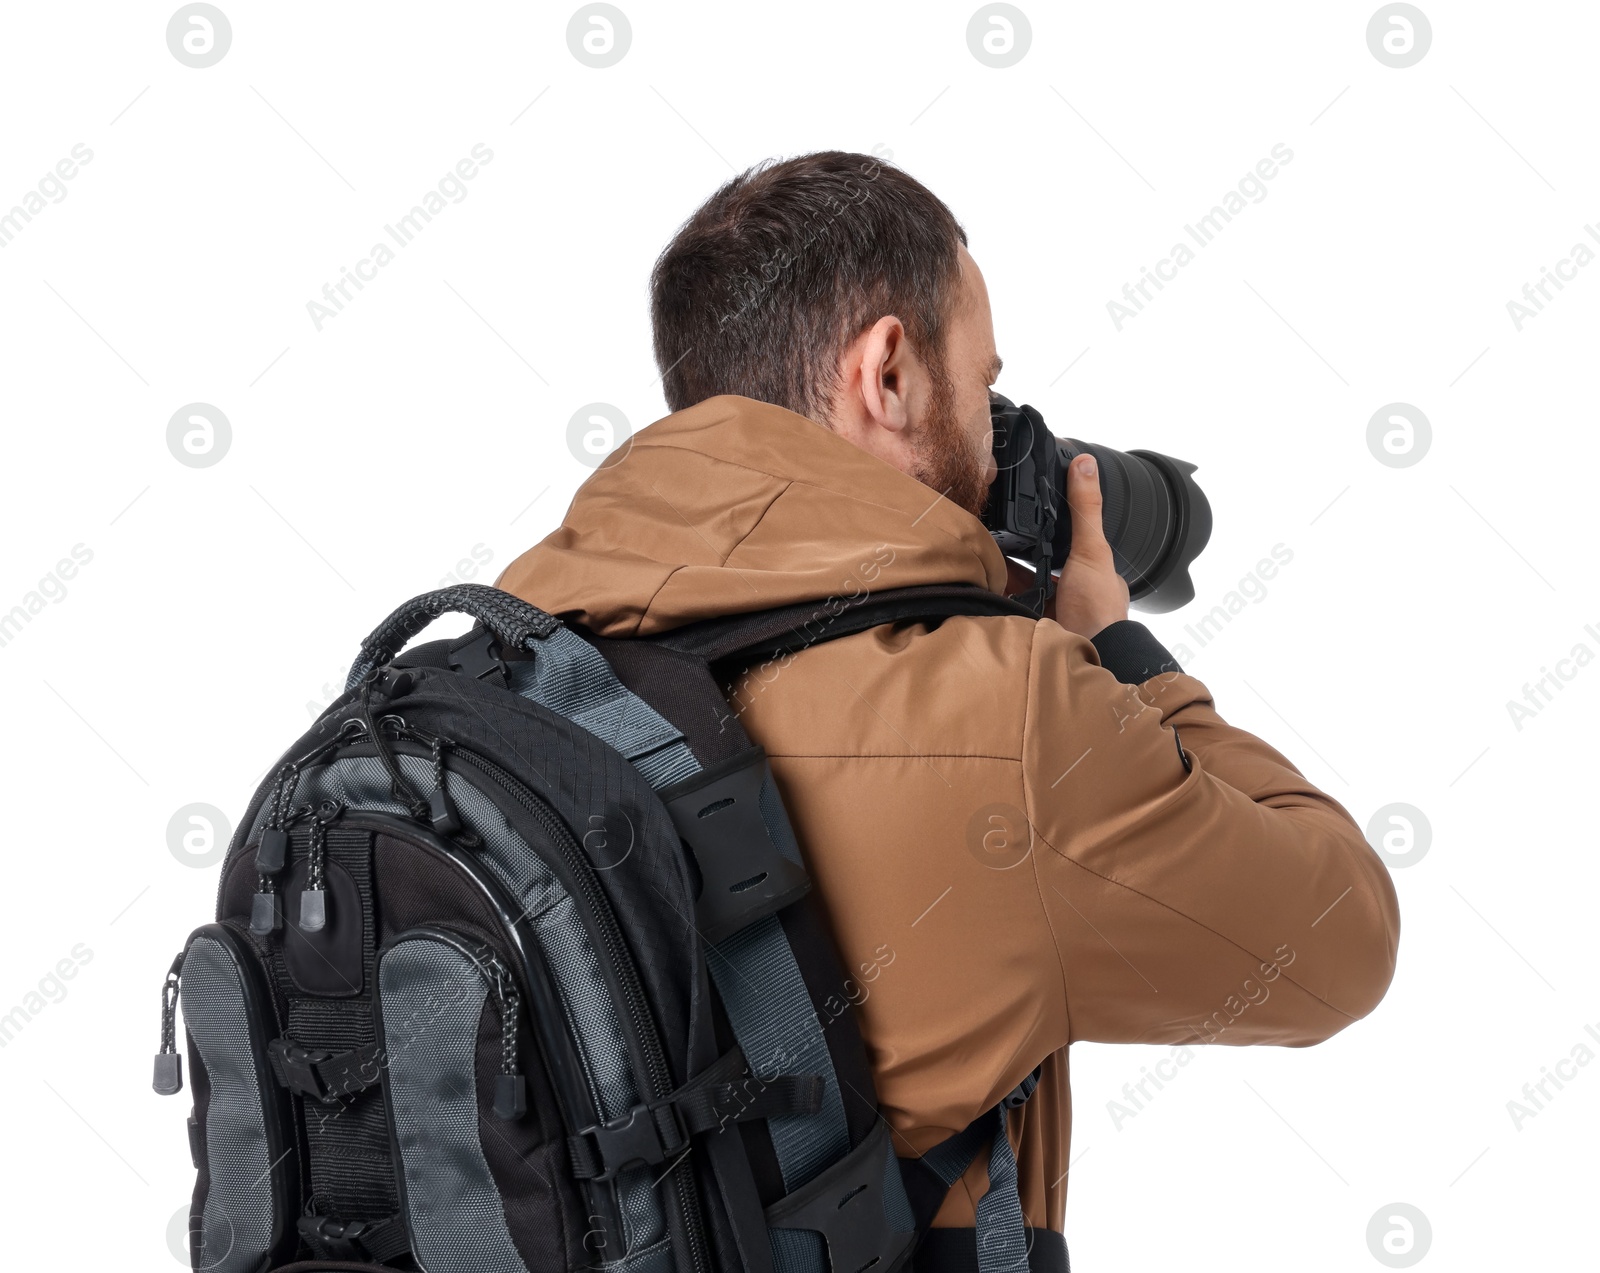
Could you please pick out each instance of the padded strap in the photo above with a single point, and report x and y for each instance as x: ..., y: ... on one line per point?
x: 788, y: 629
x: 755, y: 969
x: 573, y: 679
x: 744, y: 874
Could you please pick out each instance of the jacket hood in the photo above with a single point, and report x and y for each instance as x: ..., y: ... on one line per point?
x: 734, y: 505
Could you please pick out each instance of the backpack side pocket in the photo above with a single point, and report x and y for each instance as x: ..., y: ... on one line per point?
x: 241, y: 1216
x: 451, y: 1025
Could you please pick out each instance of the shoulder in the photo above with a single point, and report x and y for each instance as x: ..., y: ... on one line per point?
x: 959, y: 685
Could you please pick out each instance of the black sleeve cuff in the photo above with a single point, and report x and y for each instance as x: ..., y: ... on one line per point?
x: 1131, y: 653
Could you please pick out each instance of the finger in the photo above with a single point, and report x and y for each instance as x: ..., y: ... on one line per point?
x: 1084, y: 499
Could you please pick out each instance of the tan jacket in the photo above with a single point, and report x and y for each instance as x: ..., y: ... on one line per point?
x: 1161, y: 895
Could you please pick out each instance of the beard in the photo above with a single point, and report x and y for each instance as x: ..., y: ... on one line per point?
x: 945, y: 455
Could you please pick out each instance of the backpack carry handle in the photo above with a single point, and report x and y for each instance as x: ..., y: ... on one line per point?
x: 512, y: 620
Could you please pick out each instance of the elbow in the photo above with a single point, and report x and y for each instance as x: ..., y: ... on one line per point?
x: 1344, y: 960
x: 1378, y: 951
x: 1359, y: 949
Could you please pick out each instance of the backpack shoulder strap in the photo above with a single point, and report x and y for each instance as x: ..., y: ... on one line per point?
x: 788, y: 629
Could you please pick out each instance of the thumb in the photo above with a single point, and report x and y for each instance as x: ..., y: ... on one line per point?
x: 1084, y: 499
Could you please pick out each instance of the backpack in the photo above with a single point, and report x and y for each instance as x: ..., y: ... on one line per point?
x: 516, y: 968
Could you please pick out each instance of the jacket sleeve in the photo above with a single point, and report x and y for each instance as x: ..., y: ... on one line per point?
x: 1197, y: 886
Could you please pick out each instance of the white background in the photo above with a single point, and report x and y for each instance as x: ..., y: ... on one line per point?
x: 429, y: 418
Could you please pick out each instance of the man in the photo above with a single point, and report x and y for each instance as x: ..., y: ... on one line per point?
x: 1025, y: 833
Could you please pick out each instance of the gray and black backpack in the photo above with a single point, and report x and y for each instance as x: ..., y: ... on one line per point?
x: 515, y: 968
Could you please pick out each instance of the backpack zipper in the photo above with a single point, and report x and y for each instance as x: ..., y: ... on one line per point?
x: 658, y: 1075
x: 510, y: 1085
x: 621, y: 958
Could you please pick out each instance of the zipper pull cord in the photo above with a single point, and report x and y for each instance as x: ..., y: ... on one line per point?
x: 272, y: 854
x: 510, y: 1088
x: 273, y: 851
x: 441, y: 809
x: 510, y: 1009
x: 169, y: 1065
x: 314, y: 897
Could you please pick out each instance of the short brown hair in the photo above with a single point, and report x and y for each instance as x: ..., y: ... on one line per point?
x: 765, y: 285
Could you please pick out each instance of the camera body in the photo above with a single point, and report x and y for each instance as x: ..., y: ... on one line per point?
x: 1157, y: 519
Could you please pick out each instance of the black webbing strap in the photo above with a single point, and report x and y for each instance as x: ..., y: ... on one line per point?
x: 725, y: 1093
x: 788, y: 629
x: 348, y: 1168
x: 324, y: 1075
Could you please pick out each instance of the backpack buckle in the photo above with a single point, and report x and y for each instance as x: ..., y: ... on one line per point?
x: 479, y: 658
x: 296, y: 1068
x: 1018, y: 1096
x: 346, y: 1239
x: 636, y: 1137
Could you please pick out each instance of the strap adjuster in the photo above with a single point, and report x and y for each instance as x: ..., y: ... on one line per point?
x: 322, y: 1075
x: 345, y: 1239
x: 1019, y: 1095
x: 636, y: 1137
x: 709, y: 1103
x: 296, y: 1067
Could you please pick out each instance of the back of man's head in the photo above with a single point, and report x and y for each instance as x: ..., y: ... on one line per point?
x: 763, y: 288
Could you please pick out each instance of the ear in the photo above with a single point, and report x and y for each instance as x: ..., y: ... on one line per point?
x: 884, y: 370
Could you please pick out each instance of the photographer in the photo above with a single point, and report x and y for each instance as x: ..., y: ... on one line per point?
x: 1025, y: 833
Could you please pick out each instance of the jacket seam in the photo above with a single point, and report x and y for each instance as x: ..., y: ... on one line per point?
x: 756, y: 525
x: 791, y: 481
x: 1036, y: 833
x: 1204, y: 927
x: 890, y: 755
x: 1027, y: 797
x: 644, y: 613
